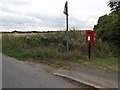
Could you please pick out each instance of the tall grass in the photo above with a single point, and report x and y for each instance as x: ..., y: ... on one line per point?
x: 55, y: 43
x: 51, y: 47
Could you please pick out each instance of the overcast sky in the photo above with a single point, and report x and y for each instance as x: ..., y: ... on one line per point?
x: 44, y: 15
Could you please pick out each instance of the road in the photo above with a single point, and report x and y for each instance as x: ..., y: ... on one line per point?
x: 17, y: 74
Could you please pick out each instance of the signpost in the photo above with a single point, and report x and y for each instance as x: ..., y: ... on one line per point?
x: 66, y: 13
x: 89, y: 39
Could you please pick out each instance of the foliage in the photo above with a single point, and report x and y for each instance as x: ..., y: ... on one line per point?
x: 115, y: 7
x: 108, y: 27
x: 50, y: 49
x: 55, y: 43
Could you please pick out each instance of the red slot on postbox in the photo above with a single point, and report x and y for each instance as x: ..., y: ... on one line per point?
x: 89, y: 36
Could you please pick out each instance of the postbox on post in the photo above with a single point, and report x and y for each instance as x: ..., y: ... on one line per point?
x: 89, y: 36
x: 89, y: 39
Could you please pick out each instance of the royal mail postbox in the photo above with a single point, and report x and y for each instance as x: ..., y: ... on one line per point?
x: 89, y: 36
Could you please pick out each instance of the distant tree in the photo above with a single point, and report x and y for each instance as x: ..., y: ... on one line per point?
x: 115, y: 6
x: 15, y: 31
x: 108, y: 26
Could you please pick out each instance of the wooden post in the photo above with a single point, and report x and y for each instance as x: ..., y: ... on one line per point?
x: 67, y: 32
x: 67, y: 37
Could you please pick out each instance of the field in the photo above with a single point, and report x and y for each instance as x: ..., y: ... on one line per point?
x: 50, y: 48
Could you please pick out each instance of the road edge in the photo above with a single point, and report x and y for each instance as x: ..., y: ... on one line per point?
x: 78, y: 80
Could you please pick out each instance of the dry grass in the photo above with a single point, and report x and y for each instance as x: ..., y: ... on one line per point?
x: 50, y: 48
x: 25, y: 34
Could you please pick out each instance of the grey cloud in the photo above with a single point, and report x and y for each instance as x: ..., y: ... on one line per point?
x: 13, y: 20
x: 58, y: 21
x: 5, y: 9
x: 77, y: 23
x: 18, y: 19
x: 114, y: 0
x: 93, y: 16
x: 55, y: 22
x: 43, y: 21
x: 13, y: 7
x: 52, y: 21
x: 14, y: 3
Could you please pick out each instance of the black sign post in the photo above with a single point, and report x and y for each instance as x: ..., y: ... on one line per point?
x: 66, y: 13
x: 89, y: 50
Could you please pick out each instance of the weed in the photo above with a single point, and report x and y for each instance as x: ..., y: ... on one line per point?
x: 50, y: 48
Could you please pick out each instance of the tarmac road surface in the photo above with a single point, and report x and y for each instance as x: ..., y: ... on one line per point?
x: 17, y: 74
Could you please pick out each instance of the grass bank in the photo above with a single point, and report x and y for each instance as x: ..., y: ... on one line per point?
x: 50, y: 49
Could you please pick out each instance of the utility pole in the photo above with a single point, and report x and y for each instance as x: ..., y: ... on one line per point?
x: 66, y: 13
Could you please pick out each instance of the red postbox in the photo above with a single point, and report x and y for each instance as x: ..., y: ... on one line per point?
x: 89, y: 36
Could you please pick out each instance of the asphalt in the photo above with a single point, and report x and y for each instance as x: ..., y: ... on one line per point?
x: 90, y: 76
x: 18, y: 74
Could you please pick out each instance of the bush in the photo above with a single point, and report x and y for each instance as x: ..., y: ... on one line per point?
x: 53, y: 46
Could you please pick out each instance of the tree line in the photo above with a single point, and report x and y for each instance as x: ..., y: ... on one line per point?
x: 108, y: 26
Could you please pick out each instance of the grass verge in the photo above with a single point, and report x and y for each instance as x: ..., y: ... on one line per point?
x: 102, y: 63
x: 50, y: 49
